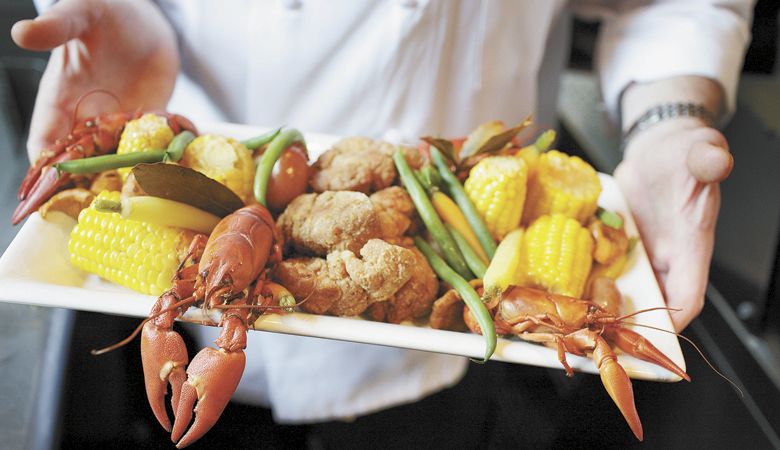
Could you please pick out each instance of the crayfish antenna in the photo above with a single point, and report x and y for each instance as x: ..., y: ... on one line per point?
x: 733, y: 384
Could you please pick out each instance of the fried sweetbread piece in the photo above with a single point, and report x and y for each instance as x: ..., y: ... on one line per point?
x: 395, y: 211
x: 415, y: 298
x: 351, y: 299
x: 69, y: 201
x: 447, y: 312
x: 322, y: 286
x: 358, y: 164
x: 354, y: 164
x: 308, y: 280
x: 382, y: 268
x: 317, y: 224
x: 343, y: 284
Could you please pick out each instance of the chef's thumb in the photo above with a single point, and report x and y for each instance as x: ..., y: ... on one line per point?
x: 709, y: 159
x: 65, y: 20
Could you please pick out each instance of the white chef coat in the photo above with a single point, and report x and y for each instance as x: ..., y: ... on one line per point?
x: 401, y: 69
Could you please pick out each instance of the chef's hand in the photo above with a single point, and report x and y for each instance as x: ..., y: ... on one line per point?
x: 125, y: 47
x: 670, y: 175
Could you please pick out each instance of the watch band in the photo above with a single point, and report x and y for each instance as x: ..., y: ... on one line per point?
x: 666, y: 111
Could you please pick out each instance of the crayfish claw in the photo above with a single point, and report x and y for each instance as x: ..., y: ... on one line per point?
x: 163, y: 356
x: 212, y: 377
x: 636, y: 345
x: 46, y: 184
x: 617, y: 384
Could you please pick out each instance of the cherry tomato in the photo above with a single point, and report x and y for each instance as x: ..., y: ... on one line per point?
x: 289, y: 178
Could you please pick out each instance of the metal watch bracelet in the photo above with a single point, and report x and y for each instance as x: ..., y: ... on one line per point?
x: 663, y: 112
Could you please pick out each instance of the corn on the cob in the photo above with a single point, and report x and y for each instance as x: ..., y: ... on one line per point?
x: 503, y: 270
x: 160, y: 211
x: 562, y: 184
x: 223, y: 159
x: 148, y: 132
x: 497, y: 186
x: 141, y: 256
x: 556, y: 255
x: 530, y: 153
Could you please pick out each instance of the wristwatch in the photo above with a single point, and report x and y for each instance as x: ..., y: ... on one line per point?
x: 666, y: 111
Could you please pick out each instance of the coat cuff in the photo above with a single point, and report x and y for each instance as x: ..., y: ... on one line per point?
x: 657, y: 42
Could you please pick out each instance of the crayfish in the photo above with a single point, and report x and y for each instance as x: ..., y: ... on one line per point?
x: 579, y: 327
x: 93, y: 136
x: 227, y: 272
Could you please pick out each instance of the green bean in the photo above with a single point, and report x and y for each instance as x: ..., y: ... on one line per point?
x: 107, y: 206
x: 545, y: 141
x: 609, y: 218
x: 429, y: 216
x: 473, y: 260
x: 467, y: 293
x: 178, y: 145
x: 259, y: 141
x: 428, y: 177
x: 453, y: 187
x: 276, y: 147
x: 113, y: 161
x: 108, y: 162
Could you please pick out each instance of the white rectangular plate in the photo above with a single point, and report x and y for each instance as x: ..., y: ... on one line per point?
x: 35, y: 270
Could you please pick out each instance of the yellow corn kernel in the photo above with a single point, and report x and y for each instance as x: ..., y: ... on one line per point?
x: 223, y: 159
x: 562, y: 184
x: 138, y: 255
x: 148, y: 132
x: 556, y: 255
x: 496, y: 186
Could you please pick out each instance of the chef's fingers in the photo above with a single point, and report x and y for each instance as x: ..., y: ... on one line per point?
x: 65, y: 20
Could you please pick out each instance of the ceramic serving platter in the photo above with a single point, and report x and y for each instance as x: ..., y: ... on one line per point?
x: 35, y: 270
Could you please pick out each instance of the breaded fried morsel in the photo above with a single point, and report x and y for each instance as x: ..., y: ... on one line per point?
x: 448, y: 310
x: 355, y: 255
x: 414, y: 299
x: 358, y: 164
x: 382, y: 268
x: 394, y: 210
x: 317, y: 224
x: 343, y: 284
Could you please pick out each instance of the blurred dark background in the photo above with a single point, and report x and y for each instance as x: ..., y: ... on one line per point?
x: 55, y: 395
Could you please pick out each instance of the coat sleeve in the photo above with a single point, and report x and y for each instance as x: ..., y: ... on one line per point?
x: 649, y: 41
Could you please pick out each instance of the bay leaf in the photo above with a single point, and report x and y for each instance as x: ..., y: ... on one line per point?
x: 500, y: 140
x: 479, y: 136
x: 445, y: 146
x: 186, y: 185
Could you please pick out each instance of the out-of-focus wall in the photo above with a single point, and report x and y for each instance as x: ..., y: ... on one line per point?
x: 20, y: 72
